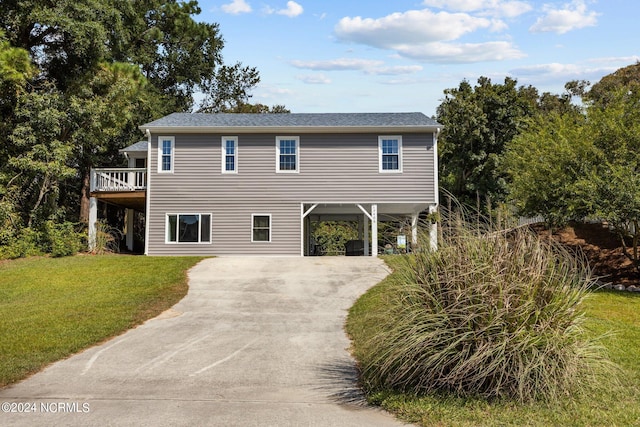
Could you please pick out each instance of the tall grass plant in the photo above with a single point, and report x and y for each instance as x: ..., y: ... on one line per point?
x: 490, y: 314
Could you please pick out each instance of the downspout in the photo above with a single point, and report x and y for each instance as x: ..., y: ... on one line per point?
x: 433, y: 231
x: 148, y: 200
x: 435, y: 168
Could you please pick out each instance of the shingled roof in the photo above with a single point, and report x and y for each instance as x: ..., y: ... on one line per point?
x: 311, y: 121
x: 137, y: 147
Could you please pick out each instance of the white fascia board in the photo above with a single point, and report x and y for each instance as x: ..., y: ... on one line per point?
x: 290, y: 129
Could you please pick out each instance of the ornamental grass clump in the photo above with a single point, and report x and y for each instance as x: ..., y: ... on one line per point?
x: 490, y: 314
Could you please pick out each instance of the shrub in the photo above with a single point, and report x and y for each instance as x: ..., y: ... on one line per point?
x: 63, y: 239
x: 494, y: 315
x: 24, y: 243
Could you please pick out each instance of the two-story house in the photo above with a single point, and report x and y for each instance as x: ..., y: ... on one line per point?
x: 249, y: 184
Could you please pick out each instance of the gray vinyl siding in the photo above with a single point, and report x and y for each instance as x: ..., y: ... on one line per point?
x: 332, y: 168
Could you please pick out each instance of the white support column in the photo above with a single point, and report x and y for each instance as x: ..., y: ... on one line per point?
x: 414, y: 231
x: 93, y: 220
x: 366, y: 235
x: 129, y: 216
x: 374, y: 230
x: 433, y: 230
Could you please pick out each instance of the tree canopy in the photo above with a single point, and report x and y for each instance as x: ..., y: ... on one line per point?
x: 77, y: 77
x: 585, y: 164
x: 478, y: 122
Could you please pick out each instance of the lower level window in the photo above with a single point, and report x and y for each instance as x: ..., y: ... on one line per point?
x: 189, y: 228
x: 261, y: 228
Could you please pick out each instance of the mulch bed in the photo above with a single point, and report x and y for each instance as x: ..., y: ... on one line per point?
x: 602, y: 249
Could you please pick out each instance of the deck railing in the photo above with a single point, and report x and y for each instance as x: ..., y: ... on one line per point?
x: 118, y: 179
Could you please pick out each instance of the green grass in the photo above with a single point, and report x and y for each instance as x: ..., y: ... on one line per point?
x: 613, y: 403
x: 54, y: 307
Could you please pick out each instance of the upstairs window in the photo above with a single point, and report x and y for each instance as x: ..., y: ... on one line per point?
x: 390, y: 153
x: 166, y: 148
x: 229, y: 154
x: 189, y: 228
x: 287, y: 153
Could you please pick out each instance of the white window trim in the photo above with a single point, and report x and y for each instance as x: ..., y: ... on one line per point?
x: 161, y: 139
x: 270, y: 227
x: 297, y: 141
x: 166, y: 229
x: 224, y: 153
x: 399, y: 138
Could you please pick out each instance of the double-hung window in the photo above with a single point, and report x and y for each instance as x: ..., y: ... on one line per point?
x: 261, y: 227
x: 390, y: 153
x: 188, y: 228
x: 229, y: 154
x: 288, y: 153
x: 166, y: 154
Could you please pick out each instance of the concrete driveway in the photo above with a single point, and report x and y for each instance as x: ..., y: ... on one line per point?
x: 256, y: 342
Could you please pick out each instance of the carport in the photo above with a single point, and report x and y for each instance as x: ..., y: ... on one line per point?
x: 367, y: 216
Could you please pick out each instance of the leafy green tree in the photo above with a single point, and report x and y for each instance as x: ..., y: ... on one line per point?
x: 605, y: 90
x: 551, y: 167
x: 575, y: 165
x: 15, y: 71
x: 66, y: 38
x: 99, y: 111
x: 44, y: 154
x: 102, y: 68
x: 477, y: 123
x: 615, y: 129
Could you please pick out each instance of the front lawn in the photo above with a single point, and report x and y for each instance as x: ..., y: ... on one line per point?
x: 53, y: 307
x: 613, y: 404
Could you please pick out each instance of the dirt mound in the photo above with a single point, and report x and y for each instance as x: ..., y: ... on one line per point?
x: 602, y: 249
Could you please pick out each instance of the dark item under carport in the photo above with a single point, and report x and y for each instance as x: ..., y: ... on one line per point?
x: 354, y: 248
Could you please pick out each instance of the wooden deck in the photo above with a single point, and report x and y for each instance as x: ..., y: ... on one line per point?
x: 126, y: 187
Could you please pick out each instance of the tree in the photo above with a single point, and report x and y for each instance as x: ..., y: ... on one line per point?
x: 100, y: 109
x: 615, y: 126
x: 103, y: 67
x: 15, y: 71
x: 477, y: 123
x: 551, y: 166
x: 604, y: 91
x: 36, y: 172
x: 576, y: 165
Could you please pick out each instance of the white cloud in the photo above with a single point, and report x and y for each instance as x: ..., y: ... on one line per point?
x: 552, y: 69
x: 458, y: 53
x: 597, y: 67
x: 340, y: 64
x: 368, y: 66
x: 414, y: 26
x: 236, y: 7
x: 558, y: 74
x: 428, y: 36
x: 396, y: 70
x: 271, y: 92
x: 622, y: 60
x: 572, y: 16
x: 314, y: 79
x: 292, y: 10
x: 507, y: 9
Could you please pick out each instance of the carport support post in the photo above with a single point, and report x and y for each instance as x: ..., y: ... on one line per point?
x: 129, y: 215
x: 93, y: 220
x: 366, y: 235
x: 433, y: 230
x: 374, y: 230
x: 414, y: 231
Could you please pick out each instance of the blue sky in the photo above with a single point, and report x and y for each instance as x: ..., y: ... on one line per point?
x: 397, y: 55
